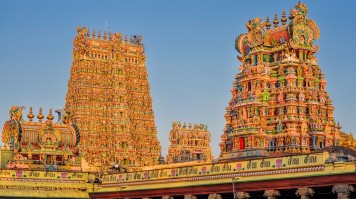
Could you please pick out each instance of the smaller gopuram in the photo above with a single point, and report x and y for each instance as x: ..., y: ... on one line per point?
x: 189, y: 143
x: 40, y: 145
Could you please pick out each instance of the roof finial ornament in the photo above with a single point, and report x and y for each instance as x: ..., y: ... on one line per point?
x: 126, y: 39
x: 40, y: 116
x: 284, y: 18
x: 30, y: 115
x: 104, y: 35
x: 131, y: 39
x: 275, y: 21
x: 99, y: 35
x: 93, y: 35
x: 50, y: 116
x: 291, y: 16
x: 88, y: 33
x: 268, y: 24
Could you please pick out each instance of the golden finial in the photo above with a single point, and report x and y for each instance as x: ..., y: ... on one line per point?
x: 50, y: 116
x: 99, y: 35
x: 291, y: 16
x: 126, y: 39
x: 284, y: 18
x: 139, y: 40
x: 131, y: 39
x: 30, y: 115
x: 88, y: 33
x: 268, y: 24
x: 40, y: 116
x: 275, y: 21
x: 119, y: 36
x: 93, y: 35
x: 104, y: 35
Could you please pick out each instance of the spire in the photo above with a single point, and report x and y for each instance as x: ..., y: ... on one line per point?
x: 268, y: 23
x: 88, y: 33
x: 50, y: 116
x: 93, y: 35
x: 99, y: 35
x: 40, y: 116
x: 104, y: 35
x: 275, y: 21
x: 30, y: 115
x: 291, y: 15
x: 284, y: 18
x: 126, y: 39
x: 131, y: 39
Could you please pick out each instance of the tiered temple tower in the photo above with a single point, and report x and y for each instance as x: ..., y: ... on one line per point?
x: 109, y: 98
x: 279, y: 103
x: 189, y: 143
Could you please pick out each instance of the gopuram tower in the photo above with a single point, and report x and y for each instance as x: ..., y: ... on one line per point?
x: 279, y: 104
x: 109, y: 99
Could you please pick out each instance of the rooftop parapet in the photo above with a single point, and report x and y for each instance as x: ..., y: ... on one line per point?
x: 109, y: 36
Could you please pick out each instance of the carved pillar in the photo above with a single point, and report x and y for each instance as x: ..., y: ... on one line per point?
x: 305, y: 192
x: 214, y: 196
x: 167, y: 197
x: 189, y: 197
x: 343, y: 190
x: 271, y: 194
x: 242, y: 195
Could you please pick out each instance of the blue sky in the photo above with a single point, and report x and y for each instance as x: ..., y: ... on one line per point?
x: 190, y: 52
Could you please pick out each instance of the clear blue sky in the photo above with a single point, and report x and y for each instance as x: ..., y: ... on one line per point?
x: 191, y: 58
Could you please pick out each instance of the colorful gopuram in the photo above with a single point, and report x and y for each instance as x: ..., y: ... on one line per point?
x: 40, y: 145
x: 189, y: 143
x: 109, y: 99
x: 279, y: 102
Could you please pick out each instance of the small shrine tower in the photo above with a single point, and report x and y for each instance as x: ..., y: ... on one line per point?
x: 40, y: 144
x: 189, y: 143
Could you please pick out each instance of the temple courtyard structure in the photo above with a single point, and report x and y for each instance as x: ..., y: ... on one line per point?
x: 280, y: 139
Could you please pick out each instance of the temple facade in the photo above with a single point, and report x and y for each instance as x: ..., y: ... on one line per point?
x: 279, y: 102
x: 280, y: 139
x: 189, y: 143
x: 109, y: 99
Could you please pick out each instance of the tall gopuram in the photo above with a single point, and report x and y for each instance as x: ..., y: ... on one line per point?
x: 189, y: 143
x: 109, y: 99
x: 279, y: 102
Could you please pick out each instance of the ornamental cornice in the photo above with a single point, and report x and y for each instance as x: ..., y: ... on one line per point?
x: 221, y: 176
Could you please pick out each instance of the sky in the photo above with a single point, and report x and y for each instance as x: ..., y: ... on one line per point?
x: 189, y: 46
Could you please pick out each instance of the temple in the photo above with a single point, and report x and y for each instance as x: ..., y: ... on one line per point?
x: 279, y: 102
x: 189, y: 143
x: 109, y: 99
x: 280, y: 139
